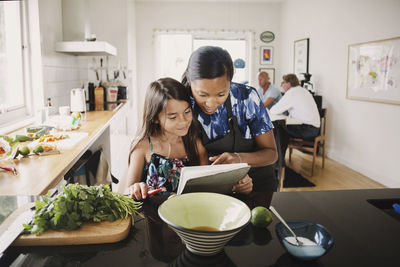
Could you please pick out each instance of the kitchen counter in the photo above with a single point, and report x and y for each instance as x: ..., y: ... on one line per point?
x: 364, y: 236
x: 38, y: 174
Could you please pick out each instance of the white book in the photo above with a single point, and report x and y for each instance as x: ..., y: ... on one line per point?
x: 211, y: 178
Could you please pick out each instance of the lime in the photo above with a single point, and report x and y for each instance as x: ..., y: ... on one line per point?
x: 261, y: 217
x: 24, y: 151
x: 38, y: 149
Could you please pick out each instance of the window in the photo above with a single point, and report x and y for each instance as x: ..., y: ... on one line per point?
x: 235, y: 47
x: 173, y: 49
x: 173, y: 54
x: 13, y: 101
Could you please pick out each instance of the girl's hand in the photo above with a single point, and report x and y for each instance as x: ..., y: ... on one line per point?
x: 138, y: 191
x: 226, y: 158
x: 244, y: 186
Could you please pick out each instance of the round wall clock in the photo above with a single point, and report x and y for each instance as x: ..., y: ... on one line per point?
x: 267, y: 36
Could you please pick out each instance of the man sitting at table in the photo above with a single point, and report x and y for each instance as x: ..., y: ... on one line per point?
x: 268, y: 92
x: 301, y: 106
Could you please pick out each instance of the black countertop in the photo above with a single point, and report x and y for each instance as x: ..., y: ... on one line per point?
x: 364, y: 236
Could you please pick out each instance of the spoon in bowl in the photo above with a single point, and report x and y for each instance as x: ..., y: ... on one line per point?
x: 298, y: 242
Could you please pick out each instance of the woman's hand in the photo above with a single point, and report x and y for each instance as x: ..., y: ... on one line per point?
x: 244, y: 186
x: 226, y: 158
x: 138, y: 191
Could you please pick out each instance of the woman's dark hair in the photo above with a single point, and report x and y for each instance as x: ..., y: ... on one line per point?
x: 157, y: 96
x: 292, y: 79
x: 208, y: 62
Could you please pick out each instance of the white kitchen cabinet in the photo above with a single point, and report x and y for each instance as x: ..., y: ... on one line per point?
x: 120, y: 143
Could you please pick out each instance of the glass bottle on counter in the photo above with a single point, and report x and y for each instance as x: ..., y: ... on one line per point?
x: 48, y: 109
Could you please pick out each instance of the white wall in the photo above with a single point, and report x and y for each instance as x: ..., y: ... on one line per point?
x: 114, y: 21
x: 257, y: 17
x: 362, y: 135
x: 108, y: 20
x: 132, y: 63
x: 61, y: 72
x: 111, y: 21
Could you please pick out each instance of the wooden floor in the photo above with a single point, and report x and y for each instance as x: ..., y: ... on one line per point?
x: 333, y: 176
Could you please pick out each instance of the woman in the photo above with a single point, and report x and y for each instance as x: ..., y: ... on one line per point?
x: 234, y: 124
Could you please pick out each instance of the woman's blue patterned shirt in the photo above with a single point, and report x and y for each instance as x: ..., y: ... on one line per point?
x: 248, y: 108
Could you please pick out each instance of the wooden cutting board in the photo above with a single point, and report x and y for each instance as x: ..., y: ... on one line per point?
x: 88, y: 233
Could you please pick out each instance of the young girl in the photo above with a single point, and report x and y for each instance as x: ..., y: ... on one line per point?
x: 167, y: 140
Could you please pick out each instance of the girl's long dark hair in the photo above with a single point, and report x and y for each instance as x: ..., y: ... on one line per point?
x: 208, y: 62
x: 157, y: 96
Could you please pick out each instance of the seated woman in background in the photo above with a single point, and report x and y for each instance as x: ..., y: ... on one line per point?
x: 301, y: 106
x: 167, y: 141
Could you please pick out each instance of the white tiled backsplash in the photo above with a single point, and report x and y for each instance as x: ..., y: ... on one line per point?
x: 61, y: 73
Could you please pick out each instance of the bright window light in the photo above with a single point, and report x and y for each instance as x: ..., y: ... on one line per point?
x: 174, y: 53
x: 236, y: 48
x: 12, y: 97
x: 173, y: 50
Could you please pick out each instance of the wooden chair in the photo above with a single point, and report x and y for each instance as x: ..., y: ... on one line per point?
x: 281, y: 140
x: 311, y: 146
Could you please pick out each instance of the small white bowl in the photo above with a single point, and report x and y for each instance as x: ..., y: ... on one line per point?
x: 189, y: 214
x: 314, y: 232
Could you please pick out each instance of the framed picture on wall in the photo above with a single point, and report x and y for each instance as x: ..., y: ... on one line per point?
x: 301, y: 51
x: 266, y: 55
x: 373, y: 71
x: 271, y: 73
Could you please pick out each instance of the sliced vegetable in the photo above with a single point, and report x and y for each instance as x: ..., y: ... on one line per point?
x: 38, y: 131
x: 7, y: 138
x: 9, y: 147
x: 22, y: 138
x: 34, y: 129
x: 42, y: 132
x: 4, y: 146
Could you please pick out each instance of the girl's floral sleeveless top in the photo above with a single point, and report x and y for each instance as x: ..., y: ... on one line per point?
x: 163, y: 172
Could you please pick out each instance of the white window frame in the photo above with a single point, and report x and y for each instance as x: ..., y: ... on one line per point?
x: 222, y: 34
x: 232, y: 35
x: 20, y: 116
x: 157, y: 49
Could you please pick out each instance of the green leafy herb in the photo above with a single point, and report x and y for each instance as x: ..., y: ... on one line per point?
x: 77, y: 204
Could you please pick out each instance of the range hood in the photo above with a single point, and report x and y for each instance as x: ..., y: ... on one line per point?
x: 85, y: 48
x: 77, y: 17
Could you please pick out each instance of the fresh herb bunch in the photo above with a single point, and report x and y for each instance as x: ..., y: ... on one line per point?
x: 77, y: 204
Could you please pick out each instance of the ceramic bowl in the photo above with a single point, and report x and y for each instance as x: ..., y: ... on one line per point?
x: 205, y: 221
x: 314, y: 232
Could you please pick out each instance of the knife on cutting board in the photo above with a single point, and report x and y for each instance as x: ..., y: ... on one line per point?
x: 15, y: 226
x: 52, y: 152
